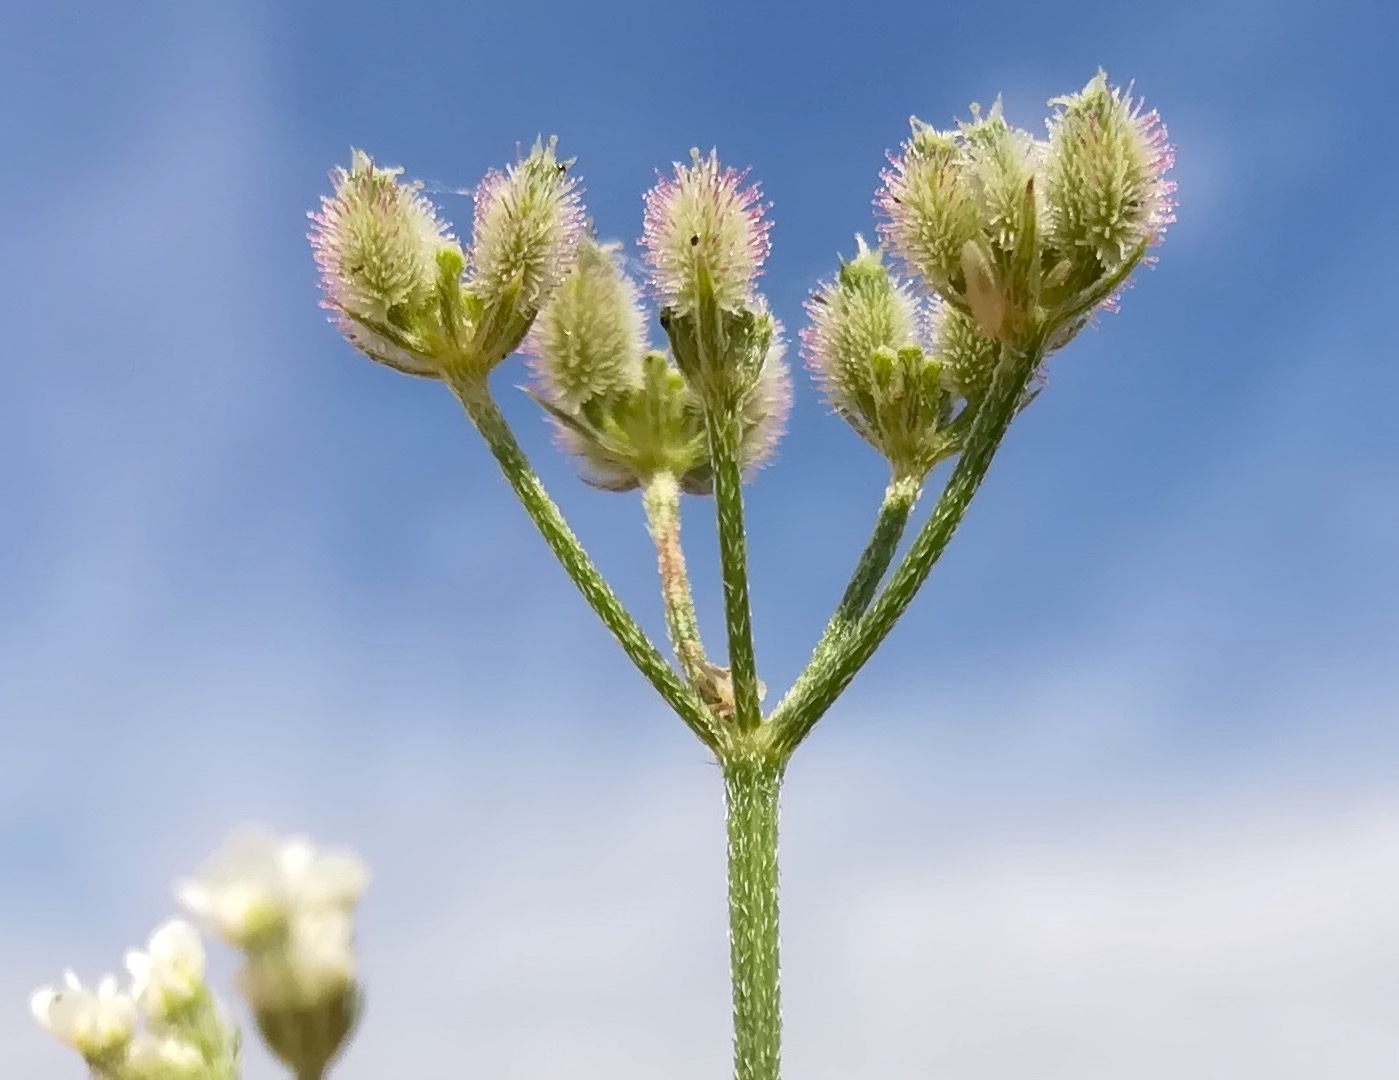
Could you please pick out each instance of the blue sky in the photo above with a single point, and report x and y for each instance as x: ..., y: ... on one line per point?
x: 1120, y: 797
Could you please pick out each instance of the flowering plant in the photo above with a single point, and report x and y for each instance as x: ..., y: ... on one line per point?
x: 1011, y: 244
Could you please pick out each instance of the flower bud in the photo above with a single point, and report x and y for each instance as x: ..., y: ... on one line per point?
x: 624, y: 437
x: 588, y: 340
x: 960, y: 209
x: 930, y: 206
x: 969, y: 357
x: 377, y: 244
x: 1106, y: 193
x: 866, y: 347
x: 524, y: 238
x: 303, y: 990
x: 705, y: 237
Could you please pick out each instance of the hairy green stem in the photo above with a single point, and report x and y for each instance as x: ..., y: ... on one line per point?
x: 661, y: 498
x: 475, y: 396
x: 751, y: 791
x: 829, y: 675
x: 899, y: 500
x: 725, y: 449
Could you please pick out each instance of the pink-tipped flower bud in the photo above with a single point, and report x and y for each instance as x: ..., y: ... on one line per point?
x: 960, y: 209
x: 866, y: 346
x: 588, y: 340
x: 705, y: 237
x: 528, y: 222
x: 379, y: 246
x: 930, y: 206
x: 968, y: 357
x: 1106, y: 192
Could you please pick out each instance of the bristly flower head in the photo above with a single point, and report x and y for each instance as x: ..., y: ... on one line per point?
x: 867, y: 344
x: 588, y: 340
x: 705, y: 236
x: 528, y: 222
x: 377, y: 242
x: 1106, y: 189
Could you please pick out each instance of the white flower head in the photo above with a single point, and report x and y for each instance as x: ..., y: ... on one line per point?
x: 169, y: 974
x: 97, y: 1023
x: 249, y: 890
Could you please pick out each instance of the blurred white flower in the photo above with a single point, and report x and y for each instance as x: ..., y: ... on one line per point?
x: 98, y: 1024
x: 249, y: 890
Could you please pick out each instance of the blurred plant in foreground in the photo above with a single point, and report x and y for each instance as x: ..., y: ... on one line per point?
x: 1013, y: 243
x: 288, y: 908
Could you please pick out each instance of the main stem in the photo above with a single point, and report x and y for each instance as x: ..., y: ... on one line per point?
x: 751, y: 793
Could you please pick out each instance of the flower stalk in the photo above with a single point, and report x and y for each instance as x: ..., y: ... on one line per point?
x: 828, y: 675
x: 475, y: 396
x: 661, y: 499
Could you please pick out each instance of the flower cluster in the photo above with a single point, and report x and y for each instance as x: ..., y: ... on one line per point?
x: 1029, y: 236
x: 626, y: 412
x: 405, y: 293
x: 1017, y: 241
x: 288, y: 907
x: 166, y: 1025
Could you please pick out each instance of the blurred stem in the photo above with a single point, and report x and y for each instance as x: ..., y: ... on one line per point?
x: 474, y: 394
x: 661, y: 498
x: 827, y: 676
x: 751, y: 789
x: 725, y: 449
